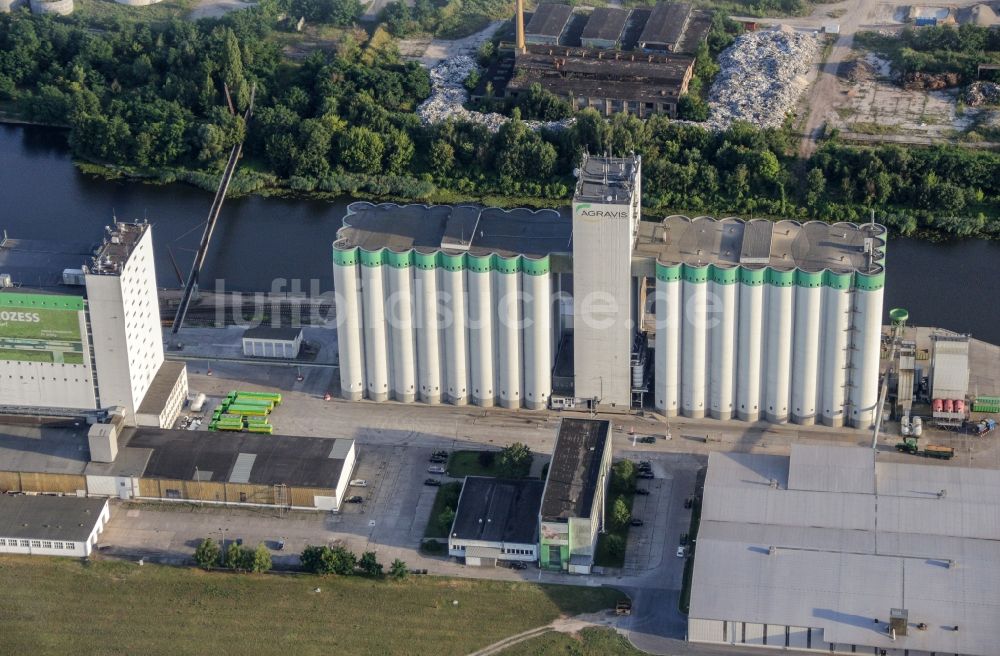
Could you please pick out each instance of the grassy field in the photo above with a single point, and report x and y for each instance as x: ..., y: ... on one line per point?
x: 62, y: 606
x: 589, y: 642
x: 447, y: 497
x: 100, y: 11
x: 603, y: 555
x: 466, y: 463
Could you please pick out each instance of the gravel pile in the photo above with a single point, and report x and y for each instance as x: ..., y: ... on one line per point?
x: 762, y: 75
x: 982, y: 93
x: 448, y: 97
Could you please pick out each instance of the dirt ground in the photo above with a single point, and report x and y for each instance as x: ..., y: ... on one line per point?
x: 217, y: 8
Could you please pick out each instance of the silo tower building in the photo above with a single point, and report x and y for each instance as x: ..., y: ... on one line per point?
x: 727, y: 319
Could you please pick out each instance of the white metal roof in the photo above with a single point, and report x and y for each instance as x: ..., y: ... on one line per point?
x: 950, y: 377
x: 842, y: 559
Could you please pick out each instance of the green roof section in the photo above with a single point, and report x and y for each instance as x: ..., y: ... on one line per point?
x: 752, y: 277
x: 694, y: 274
x: 41, y: 301
x: 808, y: 279
x: 668, y: 272
x: 841, y: 281
x: 869, y: 282
x: 345, y: 256
x: 777, y: 278
x: 535, y: 266
x: 724, y: 275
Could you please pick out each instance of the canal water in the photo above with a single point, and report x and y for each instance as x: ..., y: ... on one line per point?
x: 954, y: 285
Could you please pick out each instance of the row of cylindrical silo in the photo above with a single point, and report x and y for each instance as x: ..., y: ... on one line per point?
x: 452, y: 327
x: 762, y: 343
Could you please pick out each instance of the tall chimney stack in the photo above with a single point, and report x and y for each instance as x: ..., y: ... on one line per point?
x: 520, y: 26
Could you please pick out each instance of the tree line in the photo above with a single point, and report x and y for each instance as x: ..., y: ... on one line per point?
x: 149, y: 99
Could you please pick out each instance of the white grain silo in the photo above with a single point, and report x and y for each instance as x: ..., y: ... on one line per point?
x: 668, y: 338
x: 481, y: 322
x: 399, y: 316
x: 350, y: 352
x: 373, y: 300
x: 778, y: 344
x: 723, y: 320
x: 508, y: 330
x: 863, y: 389
x: 750, y: 343
x: 536, y: 288
x: 806, y: 346
x: 428, y: 333
x: 455, y: 343
x: 836, y: 340
x: 694, y: 336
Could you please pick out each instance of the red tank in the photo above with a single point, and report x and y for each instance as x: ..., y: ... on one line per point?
x: 959, y: 405
x: 937, y: 405
x: 949, y: 405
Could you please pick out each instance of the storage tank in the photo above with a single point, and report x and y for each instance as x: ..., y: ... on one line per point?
x: 867, y: 337
x: 778, y: 344
x: 198, y: 403
x: 808, y: 326
x: 959, y: 405
x: 399, y: 313
x: 537, y: 292
x: 750, y: 343
x: 694, y: 327
x: 373, y: 295
x: 917, y: 426
x: 428, y: 334
x: 937, y: 405
x: 508, y: 308
x: 836, y: 337
x: 668, y: 337
x: 722, y: 332
x: 481, y: 330
x: 455, y: 346
x: 349, y: 321
x: 949, y: 406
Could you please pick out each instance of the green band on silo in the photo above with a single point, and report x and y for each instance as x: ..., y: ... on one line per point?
x: 837, y: 280
x: 869, y: 282
x: 370, y: 258
x: 668, y: 272
x: 807, y: 279
x: 479, y: 263
x: 694, y: 274
x: 399, y: 260
x: 777, y: 278
x: 507, y: 264
x: 451, y: 262
x: 752, y: 277
x: 535, y: 266
x: 345, y: 257
x: 724, y: 275
x: 425, y: 261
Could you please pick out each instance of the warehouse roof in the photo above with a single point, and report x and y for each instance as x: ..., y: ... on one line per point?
x: 37, y: 265
x: 606, y: 23
x: 575, y: 470
x: 665, y: 25
x: 477, y: 230
x: 785, y: 245
x: 71, y: 519
x: 836, y: 546
x: 549, y: 20
x: 498, y: 510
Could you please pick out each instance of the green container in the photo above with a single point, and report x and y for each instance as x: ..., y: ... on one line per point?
x: 274, y: 397
x: 266, y: 429
x: 250, y: 410
x: 260, y: 403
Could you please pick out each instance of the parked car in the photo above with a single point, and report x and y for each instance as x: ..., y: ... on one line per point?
x: 684, y: 539
x: 355, y: 499
x: 436, y: 469
x: 433, y: 482
x: 645, y: 474
x: 518, y: 564
x: 281, y: 545
x: 358, y: 482
x: 648, y: 439
x: 636, y: 522
x: 688, y: 503
x: 644, y: 465
x: 641, y: 491
x: 438, y: 459
x: 681, y: 552
x: 440, y: 454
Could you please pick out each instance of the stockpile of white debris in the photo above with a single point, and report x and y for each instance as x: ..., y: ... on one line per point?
x: 762, y: 75
x: 449, y: 95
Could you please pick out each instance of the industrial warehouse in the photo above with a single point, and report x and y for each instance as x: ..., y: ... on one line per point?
x: 695, y: 317
x: 833, y: 551
x: 80, y: 329
x: 613, y: 60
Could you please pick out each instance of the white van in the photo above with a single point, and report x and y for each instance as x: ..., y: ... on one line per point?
x: 436, y: 469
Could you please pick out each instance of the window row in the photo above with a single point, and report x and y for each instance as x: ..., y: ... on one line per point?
x: 36, y: 544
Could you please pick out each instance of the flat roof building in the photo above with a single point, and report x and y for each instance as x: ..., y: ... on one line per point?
x: 272, y: 342
x: 665, y: 27
x: 496, y: 520
x: 834, y: 551
x: 572, y: 512
x: 605, y: 27
x: 547, y: 24
x: 50, y: 525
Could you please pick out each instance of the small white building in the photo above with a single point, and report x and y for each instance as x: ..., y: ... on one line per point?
x: 268, y: 342
x: 496, y: 519
x: 51, y: 525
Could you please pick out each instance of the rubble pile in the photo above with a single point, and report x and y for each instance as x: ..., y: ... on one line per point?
x: 918, y: 81
x: 982, y: 93
x: 858, y: 70
x: 762, y: 75
x: 448, y: 98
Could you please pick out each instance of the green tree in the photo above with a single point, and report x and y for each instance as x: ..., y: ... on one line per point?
x: 398, y: 570
x: 620, y: 514
x: 341, y: 561
x: 260, y: 560
x: 445, y: 519
x: 486, y: 458
x: 692, y: 108
x: 361, y: 150
x: 615, y: 545
x: 623, y: 476
x: 398, y: 151
x: 815, y: 186
x: 207, y: 554
x: 233, y: 557
x: 515, y: 460
x: 369, y: 564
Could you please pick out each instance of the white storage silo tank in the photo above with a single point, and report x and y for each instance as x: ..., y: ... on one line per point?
x: 867, y: 337
x: 536, y: 288
x: 807, y: 329
x: 668, y: 338
x: 508, y: 330
x: 750, y: 344
x: 428, y: 329
x: 722, y: 321
x: 694, y: 334
x: 455, y: 343
x: 836, y: 340
x: 349, y: 332
x: 399, y: 317
x: 373, y: 300
x: 778, y: 344
x: 481, y: 320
